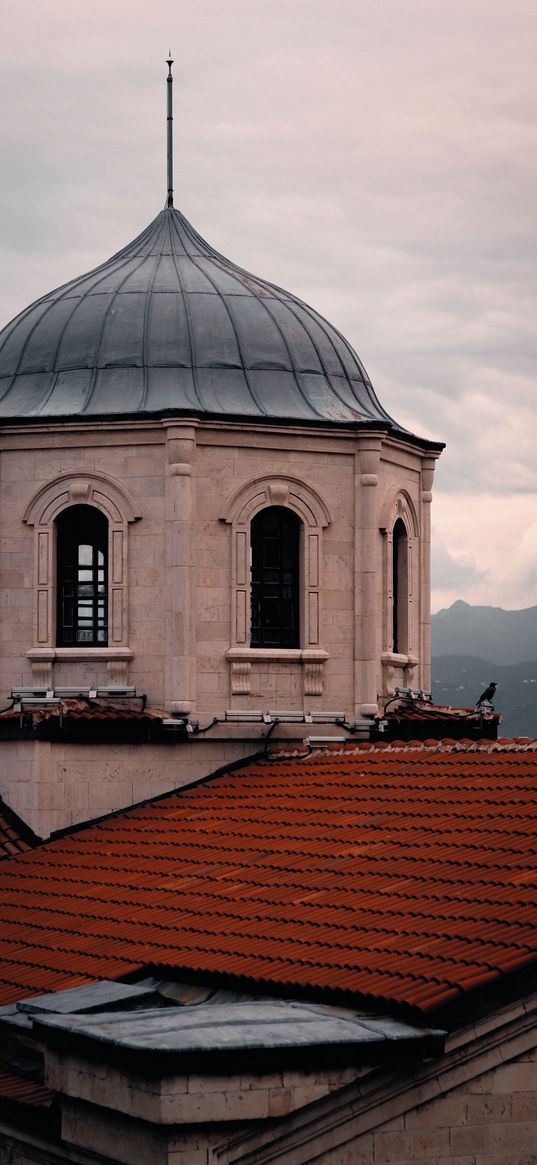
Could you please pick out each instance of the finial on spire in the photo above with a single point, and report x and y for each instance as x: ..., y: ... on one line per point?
x: 169, y: 123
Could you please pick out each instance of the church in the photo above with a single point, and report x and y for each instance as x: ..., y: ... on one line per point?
x: 202, y: 499
x: 225, y: 939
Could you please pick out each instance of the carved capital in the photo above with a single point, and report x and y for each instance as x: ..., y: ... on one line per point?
x: 369, y: 456
x: 179, y: 469
x: 181, y: 445
x: 427, y: 473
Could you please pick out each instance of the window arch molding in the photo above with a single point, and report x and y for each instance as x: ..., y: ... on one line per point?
x: 399, y: 504
x: 248, y: 500
x: 276, y: 490
x: 119, y: 507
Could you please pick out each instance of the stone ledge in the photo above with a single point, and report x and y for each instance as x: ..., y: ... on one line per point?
x: 311, y: 659
x: 276, y: 655
x: 66, y: 654
x: 399, y: 659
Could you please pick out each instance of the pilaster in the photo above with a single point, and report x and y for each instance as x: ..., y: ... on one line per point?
x: 427, y: 474
x: 180, y: 668
x: 367, y: 631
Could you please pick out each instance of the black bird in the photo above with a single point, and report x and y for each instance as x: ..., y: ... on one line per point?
x: 487, y: 696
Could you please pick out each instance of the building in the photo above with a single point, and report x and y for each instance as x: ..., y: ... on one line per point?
x: 213, y: 534
x: 326, y: 958
x: 201, y: 498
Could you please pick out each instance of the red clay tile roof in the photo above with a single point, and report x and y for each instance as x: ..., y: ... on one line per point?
x: 15, y: 837
x: 407, y: 875
x: 404, y: 709
x: 14, y: 1085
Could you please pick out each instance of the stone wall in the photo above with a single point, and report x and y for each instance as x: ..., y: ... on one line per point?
x: 488, y: 1121
x: 177, y: 591
x: 475, y: 1105
x: 53, y: 785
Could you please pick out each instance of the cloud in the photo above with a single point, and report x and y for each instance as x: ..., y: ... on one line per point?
x: 379, y: 160
x: 492, y: 557
x: 454, y: 573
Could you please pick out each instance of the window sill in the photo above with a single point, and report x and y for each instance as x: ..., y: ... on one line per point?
x: 276, y: 655
x: 65, y: 654
x: 399, y: 659
x: 312, y: 660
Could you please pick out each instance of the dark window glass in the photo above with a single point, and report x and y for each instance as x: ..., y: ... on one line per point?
x: 400, y: 587
x: 275, y: 536
x: 82, y: 551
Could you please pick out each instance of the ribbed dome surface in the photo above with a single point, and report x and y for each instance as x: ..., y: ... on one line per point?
x: 169, y: 325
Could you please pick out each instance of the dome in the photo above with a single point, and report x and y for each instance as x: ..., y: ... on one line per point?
x: 169, y: 326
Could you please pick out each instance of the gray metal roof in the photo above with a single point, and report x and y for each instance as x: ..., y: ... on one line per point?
x: 255, y: 1027
x: 170, y: 326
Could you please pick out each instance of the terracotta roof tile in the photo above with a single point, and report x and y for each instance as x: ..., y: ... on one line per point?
x: 15, y: 836
x: 15, y: 1086
x: 405, y: 875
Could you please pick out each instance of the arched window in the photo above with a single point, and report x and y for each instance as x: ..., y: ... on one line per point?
x: 275, y: 541
x: 82, y: 577
x: 400, y: 587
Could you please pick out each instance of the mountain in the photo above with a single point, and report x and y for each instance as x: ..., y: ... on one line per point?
x: 472, y: 646
x: 485, y: 633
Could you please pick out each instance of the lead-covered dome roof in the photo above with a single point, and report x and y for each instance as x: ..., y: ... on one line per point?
x: 170, y: 326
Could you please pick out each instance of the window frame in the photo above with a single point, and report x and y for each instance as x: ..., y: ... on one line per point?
x: 118, y: 506
x: 398, y: 506
x: 400, y: 588
x: 87, y: 581
x: 247, y: 500
x: 259, y: 586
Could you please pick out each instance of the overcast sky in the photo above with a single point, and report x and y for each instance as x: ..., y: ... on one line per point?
x: 376, y: 157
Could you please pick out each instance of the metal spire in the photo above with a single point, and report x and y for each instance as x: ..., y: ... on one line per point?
x: 169, y: 123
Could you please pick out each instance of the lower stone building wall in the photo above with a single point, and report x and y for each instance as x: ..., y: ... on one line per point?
x: 54, y: 785
x: 489, y: 1121
x: 475, y: 1105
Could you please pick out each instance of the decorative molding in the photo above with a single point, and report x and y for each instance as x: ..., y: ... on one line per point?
x: 118, y: 671
x: 119, y: 507
x: 240, y: 677
x: 86, y: 654
x: 397, y: 667
x: 394, y: 659
x: 276, y: 655
x: 68, y: 489
x: 311, y: 660
x: 399, y: 504
x: 427, y: 475
x: 279, y: 493
x: 262, y: 491
x: 251, y: 497
x: 43, y: 660
x: 313, y: 678
x: 179, y: 469
x: 42, y: 676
